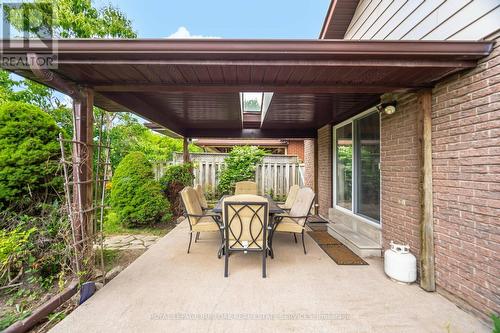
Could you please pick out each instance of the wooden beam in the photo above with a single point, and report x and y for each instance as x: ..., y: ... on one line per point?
x: 44, y: 310
x: 427, y: 269
x: 185, y: 150
x: 148, y: 111
x: 251, y: 133
x: 236, y: 88
x: 83, y: 164
x: 366, y: 61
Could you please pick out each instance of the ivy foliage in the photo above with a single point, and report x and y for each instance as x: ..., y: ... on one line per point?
x: 29, y: 152
x: 240, y: 165
x: 135, y: 195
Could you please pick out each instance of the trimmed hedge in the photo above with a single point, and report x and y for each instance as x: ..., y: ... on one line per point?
x: 29, y: 153
x: 135, y: 195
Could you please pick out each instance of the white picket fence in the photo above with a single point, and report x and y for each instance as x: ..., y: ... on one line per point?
x: 276, y: 174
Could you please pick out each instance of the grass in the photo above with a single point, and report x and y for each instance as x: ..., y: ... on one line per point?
x: 112, y: 226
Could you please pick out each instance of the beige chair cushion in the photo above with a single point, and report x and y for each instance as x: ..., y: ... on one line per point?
x: 201, y: 196
x: 252, y: 218
x: 302, y: 204
x: 205, y: 224
x: 301, y: 207
x: 246, y: 187
x: 289, y: 225
x: 191, y: 204
x: 292, y: 195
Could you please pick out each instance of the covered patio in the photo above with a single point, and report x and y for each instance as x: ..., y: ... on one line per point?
x: 192, y: 89
x: 168, y: 290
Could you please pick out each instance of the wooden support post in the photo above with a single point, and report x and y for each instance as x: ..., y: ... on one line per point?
x: 185, y: 151
x: 83, y: 163
x: 427, y: 274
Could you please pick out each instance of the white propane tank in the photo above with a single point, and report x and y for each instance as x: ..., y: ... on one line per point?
x: 400, y: 264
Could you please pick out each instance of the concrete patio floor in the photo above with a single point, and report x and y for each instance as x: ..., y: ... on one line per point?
x: 167, y: 290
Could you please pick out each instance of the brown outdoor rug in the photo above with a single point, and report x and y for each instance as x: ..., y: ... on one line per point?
x: 340, y: 253
x: 317, y: 226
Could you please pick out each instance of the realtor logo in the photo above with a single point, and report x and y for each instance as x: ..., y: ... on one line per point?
x: 27, y: 26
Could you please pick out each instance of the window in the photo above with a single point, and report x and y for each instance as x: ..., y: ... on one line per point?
x: 357, y: 160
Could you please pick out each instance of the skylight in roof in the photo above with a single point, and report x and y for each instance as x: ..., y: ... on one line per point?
x: 252, y: 101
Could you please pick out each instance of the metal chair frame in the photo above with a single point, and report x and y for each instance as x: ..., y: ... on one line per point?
x: 215, y: 217
x: 279, y: 218
x: 228, y: 249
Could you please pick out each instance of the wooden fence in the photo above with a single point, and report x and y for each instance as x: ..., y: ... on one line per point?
x: 275, y: 175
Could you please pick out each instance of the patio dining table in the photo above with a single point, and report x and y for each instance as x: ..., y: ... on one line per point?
x: 273, y: 210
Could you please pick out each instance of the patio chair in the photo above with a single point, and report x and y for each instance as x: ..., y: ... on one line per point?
x: 201, y: 197
x: 246, y: 187
x: 199, y: 221
x: 294, y: 221
x: 245, y: 220
x: 290, y: 198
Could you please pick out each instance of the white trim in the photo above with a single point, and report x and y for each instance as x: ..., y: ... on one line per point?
x: 354, y: 166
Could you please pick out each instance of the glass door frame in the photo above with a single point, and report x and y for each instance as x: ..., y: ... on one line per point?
x: 355, y: 170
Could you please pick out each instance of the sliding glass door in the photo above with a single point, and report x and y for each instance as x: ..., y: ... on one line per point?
x: 344, y: 166
x: 357, y: 161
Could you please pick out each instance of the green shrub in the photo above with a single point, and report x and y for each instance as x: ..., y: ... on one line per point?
x: 135, y: 196
x: 15, y: 249
x: 29, y: 153
x: 176, y: 177
x: 496, y: 323
x: 240, y: 166
x: 180, y: 173
x: 42, y: 234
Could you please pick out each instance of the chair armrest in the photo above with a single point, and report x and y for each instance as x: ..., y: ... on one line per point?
x: 294, y: 218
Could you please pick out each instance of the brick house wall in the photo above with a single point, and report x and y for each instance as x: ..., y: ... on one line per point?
x: 309, y: 163
x: 325, y: 151
x: 466, y: 183
x: 399, y: 174
x: 296, y: 147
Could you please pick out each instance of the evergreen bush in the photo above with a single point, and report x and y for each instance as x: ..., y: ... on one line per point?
x: 29, y: 153
x: 135, y: 195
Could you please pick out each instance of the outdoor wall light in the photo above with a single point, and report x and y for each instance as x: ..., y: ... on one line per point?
x: 388, y: 108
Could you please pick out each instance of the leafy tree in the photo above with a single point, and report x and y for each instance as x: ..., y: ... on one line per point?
x: 129, y: 135
x: 25, y: 91
x: 29, y: 152
x: 74, y: 19
x: 240, y: 166
x: 71, y: 19
x: 135, y: 196
x: 252, y: 105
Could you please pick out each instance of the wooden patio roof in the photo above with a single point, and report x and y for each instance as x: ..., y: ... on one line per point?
x: 191, y: 87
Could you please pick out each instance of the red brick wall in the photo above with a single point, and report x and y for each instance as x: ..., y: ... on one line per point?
x: 309, y: 163
x: 296, y: 147
x: 325, y: 150
x: 399, y: 175
x: 466, y: 184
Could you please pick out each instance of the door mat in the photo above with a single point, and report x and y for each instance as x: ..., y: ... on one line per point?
x: 317, y: 226
x: 340, y: 253
x: 316, y: 219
